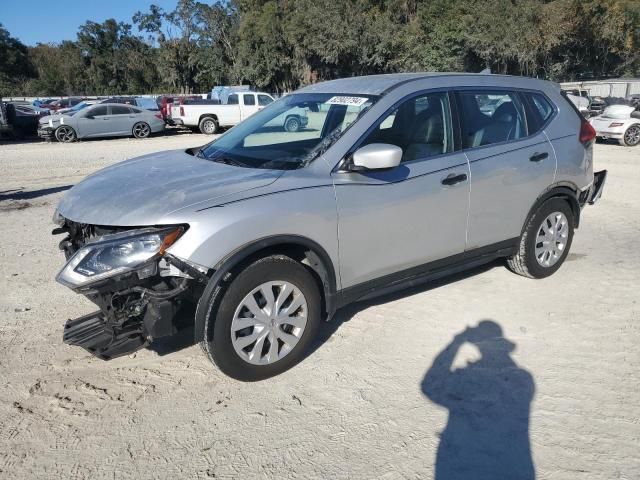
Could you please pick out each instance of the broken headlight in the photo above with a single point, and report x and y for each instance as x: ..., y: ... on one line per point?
x: 116, y: 254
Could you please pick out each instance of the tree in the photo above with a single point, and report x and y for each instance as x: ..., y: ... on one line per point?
x: 15, y: 65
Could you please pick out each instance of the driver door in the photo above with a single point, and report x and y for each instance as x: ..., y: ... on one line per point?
x: 390, y: 221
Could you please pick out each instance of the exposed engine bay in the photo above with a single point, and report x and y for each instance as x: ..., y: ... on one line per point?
x: 142, y: 291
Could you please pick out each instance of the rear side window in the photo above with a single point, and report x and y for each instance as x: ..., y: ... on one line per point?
x: 233, y: 99
x: 249, y: 99
x: 490, y: 117
x: 116, y: 110
x: 539, y: 111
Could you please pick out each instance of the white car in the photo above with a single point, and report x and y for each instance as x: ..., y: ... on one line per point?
x: 621, y: 122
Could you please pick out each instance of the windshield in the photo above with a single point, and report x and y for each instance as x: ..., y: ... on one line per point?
x: 77, y: 108
x: 146, y: 103
x: 290, y: 132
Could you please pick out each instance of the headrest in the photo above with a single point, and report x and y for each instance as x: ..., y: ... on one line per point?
x: 505, y: 113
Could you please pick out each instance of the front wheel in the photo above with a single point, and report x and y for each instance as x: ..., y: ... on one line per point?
x: 141, y: 130
x: 631, y: 136
x: 266, y: 320
x: 545, y: 242
x: 65, y: 134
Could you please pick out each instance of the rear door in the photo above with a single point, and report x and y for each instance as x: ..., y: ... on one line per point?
x: 123, y: 118
x: 249, y: 105
x: 511, y: 163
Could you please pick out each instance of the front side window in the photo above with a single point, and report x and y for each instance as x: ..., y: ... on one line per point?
x: 249, y: 99
x: 264, y: 100
x: 98, y: 111
x: 490, y: 117
x: 262, y: 141
x: 420, y: 126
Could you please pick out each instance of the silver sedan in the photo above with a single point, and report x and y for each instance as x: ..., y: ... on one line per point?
x: 104, y: 120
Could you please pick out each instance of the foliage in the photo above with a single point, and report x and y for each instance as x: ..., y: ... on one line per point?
x: 279, y: 45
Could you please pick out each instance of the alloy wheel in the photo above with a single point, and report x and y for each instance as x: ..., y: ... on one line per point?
x: 209, y: 127
x: 552, y: 239
x: 632, y: 135
x: 269, y: 322
x: 141, y: 130
x: 65, y: 134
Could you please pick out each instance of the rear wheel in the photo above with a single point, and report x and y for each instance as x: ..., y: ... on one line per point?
x: 292, y: 124
x: 266, y: 320
x: 141, y: 130
x: 65, y: 134
x: 208, y: 125
x: 631, y: 136
x: 546, y: 240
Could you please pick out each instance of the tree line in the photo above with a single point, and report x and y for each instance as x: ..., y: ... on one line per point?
x: 279, y: 45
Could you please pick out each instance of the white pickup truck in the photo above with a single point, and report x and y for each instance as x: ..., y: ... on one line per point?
x: 210, y: 116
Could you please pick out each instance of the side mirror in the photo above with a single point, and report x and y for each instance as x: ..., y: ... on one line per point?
x: 376, y: 156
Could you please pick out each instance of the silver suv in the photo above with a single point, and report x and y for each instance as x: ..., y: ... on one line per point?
x: 257, y: 237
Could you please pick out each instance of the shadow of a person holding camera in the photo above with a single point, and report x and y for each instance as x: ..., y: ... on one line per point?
x: 487, y: 434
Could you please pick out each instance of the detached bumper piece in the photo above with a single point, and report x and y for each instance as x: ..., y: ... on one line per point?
x: 93, y: 333
x: 598, y: 185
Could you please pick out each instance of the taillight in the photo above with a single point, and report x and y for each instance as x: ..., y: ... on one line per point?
x: 182, y: 111
x: 587, y: 132
x: 616, y: 124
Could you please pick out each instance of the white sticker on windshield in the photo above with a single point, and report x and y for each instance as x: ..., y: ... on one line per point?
x: 343, y: 100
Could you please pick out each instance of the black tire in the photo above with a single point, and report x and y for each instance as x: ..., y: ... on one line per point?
x: 524, y: 262
x: 208, y: 125
x: 631, y: 136
x: 65, y: 134
x: 141, y: 130
x: 292, y: 124
x: 217, y: 342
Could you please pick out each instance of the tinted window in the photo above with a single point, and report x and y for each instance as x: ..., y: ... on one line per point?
x: 543, y: 107
x: 233, y: 99
x: 264, y: 100
x: 98, y: 111
x: 490, y: 117
x: 116, y: 110
x: 420, y: 126
x: 249, y: 99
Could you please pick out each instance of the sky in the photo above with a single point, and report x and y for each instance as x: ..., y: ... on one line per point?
x: 42, y: 21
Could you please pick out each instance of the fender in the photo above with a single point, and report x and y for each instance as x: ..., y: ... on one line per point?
x: 566, y: 191
x: 317, y: 257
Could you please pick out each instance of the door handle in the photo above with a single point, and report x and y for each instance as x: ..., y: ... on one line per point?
x: 452, y: 179
x: 538, y: 157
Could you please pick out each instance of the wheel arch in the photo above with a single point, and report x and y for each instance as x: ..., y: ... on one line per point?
x: 302, y: 249
x: 207, y: 115
x: 566, y: 191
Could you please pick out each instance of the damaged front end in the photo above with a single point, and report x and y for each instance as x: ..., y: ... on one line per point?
x: 142, y: 290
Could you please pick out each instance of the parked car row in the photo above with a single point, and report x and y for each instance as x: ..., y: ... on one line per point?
x: 141, y: 116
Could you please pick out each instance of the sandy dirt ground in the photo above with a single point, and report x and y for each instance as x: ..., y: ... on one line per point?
x: 360, y: 405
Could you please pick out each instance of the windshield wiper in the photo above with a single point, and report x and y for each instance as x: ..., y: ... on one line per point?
x: 229, y: 161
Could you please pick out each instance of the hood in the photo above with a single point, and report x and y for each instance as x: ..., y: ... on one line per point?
x: 145, y: 190
x: 55, y: 118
